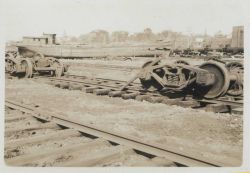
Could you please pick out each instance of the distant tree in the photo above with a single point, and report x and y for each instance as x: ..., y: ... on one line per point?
x: 148, y: 31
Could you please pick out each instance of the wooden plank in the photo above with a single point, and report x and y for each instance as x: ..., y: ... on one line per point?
x: 32, y: 158
x: 42, y: 138
x: 103, y: 157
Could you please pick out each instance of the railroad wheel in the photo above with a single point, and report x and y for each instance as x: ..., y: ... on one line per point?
x: 26, y: 64
x: 221, y: 82
x: 59, y: 69
x: 9, y: 55
x: 10, y: 66
x: 10, y: 63
x: 181, y: 62
x: 236, y: 86
x: 150, y: 83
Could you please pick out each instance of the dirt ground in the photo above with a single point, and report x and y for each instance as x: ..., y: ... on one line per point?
x: 215, y: 136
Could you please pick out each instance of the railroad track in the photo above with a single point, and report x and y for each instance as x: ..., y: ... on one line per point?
x: 110, y: 87
x: 34, y: 137
x: 104, y: 66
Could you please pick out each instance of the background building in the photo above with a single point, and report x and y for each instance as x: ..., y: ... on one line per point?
x: 98, y: 36
x: 119, y: 36
x: 177, y: 40
x: 51, y: 38
x: 45, y: 39
x: 220, y: 41
x: 238, y: 37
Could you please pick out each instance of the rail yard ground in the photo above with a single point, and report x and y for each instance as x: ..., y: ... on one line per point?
x: 216, y: 136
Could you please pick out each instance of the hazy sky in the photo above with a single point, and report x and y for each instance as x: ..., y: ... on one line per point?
x: 75, y: 17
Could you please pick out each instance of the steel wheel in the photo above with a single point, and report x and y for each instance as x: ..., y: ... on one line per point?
x: 10, y: 66
x: 10, y: 63
x: 27, y: 65
x: 236, y: 86
x: 221, y: 82
x: 59, y: 68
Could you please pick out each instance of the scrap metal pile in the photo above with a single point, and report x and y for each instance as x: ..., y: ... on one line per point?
x: 210, y: 80
x: 208, y: 52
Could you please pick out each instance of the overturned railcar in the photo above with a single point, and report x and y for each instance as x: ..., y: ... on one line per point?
x: 210, y: 80
x: 25, y: 63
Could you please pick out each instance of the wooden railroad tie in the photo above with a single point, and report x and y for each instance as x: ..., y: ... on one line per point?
x: 116, y: 93
x: 218, y: 107
x: 103, y: 91
x: 130, y: 95
x: 25, y: 160
x: 75, y: 86
x: 49, y: 125
x: 89, y: 89
x: 41, y: 138
x: 64, y: 85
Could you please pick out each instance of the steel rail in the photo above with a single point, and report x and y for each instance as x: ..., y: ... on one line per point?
x: 112, y: 67
x: 184, y: 158
x: 115, y: 80
x: 91, y: 83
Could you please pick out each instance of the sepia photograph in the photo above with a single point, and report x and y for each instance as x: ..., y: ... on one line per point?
x: 123, y: 83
